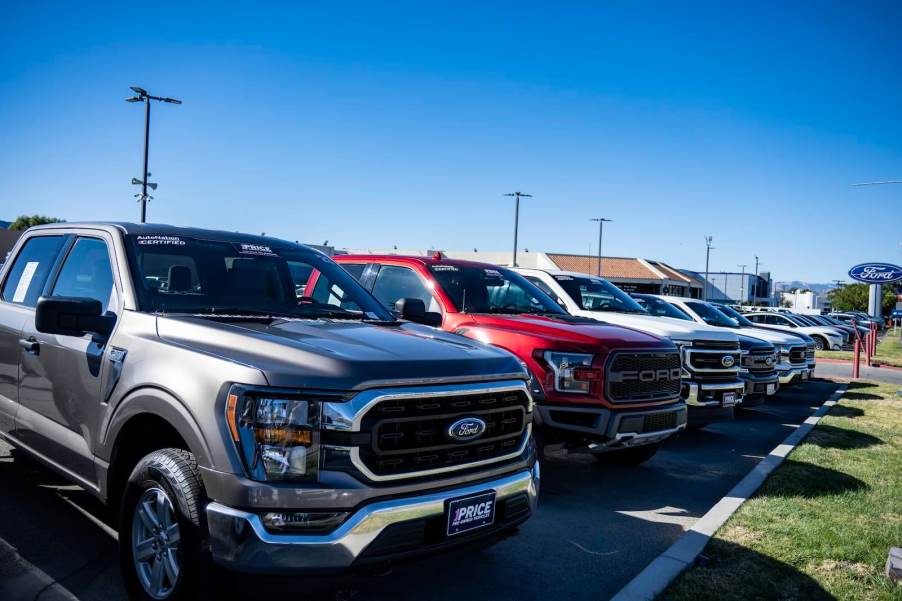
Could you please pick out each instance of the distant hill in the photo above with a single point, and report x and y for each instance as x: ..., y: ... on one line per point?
x: 4, y: 224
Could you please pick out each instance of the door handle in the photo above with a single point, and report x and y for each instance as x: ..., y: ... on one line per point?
x: 31, y: 345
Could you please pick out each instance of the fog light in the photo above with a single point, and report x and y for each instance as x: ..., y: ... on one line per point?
x: 304, y: 522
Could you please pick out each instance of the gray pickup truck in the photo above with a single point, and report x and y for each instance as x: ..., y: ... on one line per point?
x: 223, y: 411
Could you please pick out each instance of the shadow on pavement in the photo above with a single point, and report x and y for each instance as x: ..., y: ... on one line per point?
x: 733, y: 572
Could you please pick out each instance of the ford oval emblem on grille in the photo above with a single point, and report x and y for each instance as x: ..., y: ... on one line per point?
x: 727, y: 361
x: 466, y: 429
x: 769, y: 361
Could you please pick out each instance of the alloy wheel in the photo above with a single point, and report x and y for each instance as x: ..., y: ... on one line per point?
x: 155, y: 543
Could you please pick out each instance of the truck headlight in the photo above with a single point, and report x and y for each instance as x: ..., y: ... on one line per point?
x: 277, y: 433
x: 573, y: 372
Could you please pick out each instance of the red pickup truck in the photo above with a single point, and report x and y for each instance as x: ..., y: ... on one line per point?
x: 607, y: 388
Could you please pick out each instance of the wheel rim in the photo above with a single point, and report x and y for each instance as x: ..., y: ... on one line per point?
x: 155, y: 543
x: 819, y: 345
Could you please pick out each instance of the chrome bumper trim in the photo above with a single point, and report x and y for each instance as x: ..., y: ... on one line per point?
x: 241, y: 542
x: 695, y: 388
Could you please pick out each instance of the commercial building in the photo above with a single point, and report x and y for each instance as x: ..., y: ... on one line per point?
x: 736, y: 287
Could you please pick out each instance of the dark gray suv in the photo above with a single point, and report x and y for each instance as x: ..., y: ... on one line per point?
x: 191, y: 380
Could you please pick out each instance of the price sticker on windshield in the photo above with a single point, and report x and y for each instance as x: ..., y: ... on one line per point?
x: 256, y: 250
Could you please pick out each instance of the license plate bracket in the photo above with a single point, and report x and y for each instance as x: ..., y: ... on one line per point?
x: 771, y: 388
x: 465, y: 514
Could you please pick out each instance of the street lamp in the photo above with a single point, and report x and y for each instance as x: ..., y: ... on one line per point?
x: 708, y: 247
x: 742, y: 284
x: 517, y: 196
x: 143, y: 96
x: 601, y: 221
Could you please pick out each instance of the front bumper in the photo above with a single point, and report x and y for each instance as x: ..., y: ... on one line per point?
x: 240, y: 542
x: 609, y: 429
x: 710, y: 394
x: 759, y: 384
x: 789, y: 374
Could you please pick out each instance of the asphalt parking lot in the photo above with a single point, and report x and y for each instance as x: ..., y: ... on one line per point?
x: 595, y: 529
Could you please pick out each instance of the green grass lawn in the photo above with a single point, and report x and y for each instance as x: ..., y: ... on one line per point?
x: 821, y: 526
x: 889, y: 351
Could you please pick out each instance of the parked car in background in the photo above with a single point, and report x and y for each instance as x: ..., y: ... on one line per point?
x: 613, y: 390
x: 849, y: 332
x: 789, y: 367
x: 711, y: 383
x: 861, y: 319
x: 175, y: 374
x: 824, y: 338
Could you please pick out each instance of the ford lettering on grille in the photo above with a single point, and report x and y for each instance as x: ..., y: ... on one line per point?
x: 646, y: 375
x: 466, y: 429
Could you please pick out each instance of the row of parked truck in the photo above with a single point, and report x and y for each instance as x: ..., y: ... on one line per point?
x: 254, y: 403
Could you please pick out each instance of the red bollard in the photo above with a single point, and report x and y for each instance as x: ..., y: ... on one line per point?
x: 856, y: 359
x: 867, y: 347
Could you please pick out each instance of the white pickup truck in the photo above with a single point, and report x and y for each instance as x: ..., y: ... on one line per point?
x: 791, y: 350
x: 711, y: 356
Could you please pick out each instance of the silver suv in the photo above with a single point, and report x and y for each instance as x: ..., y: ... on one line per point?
x: 192, y: 381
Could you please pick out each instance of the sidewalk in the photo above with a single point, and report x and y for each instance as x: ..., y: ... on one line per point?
x: 843, y: 370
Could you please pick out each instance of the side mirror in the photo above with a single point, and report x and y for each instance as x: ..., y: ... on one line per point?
x: 72, y: 316
x: 414, y: 309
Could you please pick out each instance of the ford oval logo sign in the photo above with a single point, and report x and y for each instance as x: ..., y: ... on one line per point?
x: 876, y: 273
x: 466, y: 429
x: 727, y: 361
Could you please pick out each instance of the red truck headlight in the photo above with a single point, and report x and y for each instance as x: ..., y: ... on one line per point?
x: 277, y: 433
x: 573, y: 372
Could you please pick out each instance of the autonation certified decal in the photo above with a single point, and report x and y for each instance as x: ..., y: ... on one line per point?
x: 158, y: 240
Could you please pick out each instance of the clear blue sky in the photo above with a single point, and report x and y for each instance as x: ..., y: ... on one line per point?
x: 404, y: 123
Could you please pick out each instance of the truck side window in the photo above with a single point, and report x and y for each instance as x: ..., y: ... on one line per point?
x: 28, y: 274
x: 394, y: 283
x: 87, y: 272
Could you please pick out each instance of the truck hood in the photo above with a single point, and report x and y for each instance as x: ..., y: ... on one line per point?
x: 772, y: 336
x: 340, y: 354
x: 559, y: 331
x: 668, y: 327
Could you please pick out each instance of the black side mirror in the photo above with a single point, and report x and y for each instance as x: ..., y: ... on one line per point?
x: 414, y: 309
x: 72, y: 316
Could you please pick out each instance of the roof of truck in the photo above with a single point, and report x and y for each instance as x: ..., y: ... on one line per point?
x: 172, y: 230
x: 433, y: 260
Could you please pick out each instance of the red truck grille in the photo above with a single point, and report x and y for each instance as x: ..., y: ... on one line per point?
x: 411, y: 435
x: 632, y: 377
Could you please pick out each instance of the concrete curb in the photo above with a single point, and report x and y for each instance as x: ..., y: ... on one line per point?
x: 664, y: 569
x: 20, y: 580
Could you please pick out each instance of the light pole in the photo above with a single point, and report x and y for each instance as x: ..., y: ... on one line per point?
x: 601, y: 221
x: 143, y: 96
x: 742, y: 284
x: 517, y: 196
x: 708, y: 247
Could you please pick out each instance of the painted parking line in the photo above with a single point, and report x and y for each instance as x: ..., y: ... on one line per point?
x: 665, y: 568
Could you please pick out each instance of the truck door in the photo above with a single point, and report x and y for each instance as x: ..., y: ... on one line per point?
x: 25, y: 279
x: 60, y: 376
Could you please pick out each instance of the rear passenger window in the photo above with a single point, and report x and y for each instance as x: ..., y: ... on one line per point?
x: 87, y: 272
x: 29, y: 273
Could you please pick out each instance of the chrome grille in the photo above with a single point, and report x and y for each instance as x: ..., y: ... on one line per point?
x: 757, y: 362
x: 407, y: 436
x: 797, y: 355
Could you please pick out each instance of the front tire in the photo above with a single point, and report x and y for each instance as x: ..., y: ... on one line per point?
x: 628, y: 457
x: 819, y: 343
x: 161, y: 527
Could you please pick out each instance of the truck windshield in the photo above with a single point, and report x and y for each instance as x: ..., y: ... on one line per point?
x: 593, y: 294
x: 711, y: 316
x: 491, y: 290
x: 735, y: 316
x: 178, y: 274
x: 660, y: 307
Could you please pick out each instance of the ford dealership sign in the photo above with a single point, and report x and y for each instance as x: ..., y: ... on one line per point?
x: 876, y: 273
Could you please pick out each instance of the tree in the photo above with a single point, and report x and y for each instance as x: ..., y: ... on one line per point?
x: 854, y: 297
x: 23, y: 222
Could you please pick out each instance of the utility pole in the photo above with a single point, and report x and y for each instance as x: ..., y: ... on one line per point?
x: 517, y: 196
x: 601, y: 221
x: 708, y: 240
x: 742, y: 284
x: 143, y: 96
